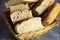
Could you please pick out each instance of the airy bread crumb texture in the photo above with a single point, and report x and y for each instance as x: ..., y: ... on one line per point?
x: 19, y: 7
x: 20, y: 15
x: 29, y: 25
x: 30, y: 35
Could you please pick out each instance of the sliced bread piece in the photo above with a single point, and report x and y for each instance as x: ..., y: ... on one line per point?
x: 19, y: 7
x: 41, y: 6
x: 31, y: 35
x: 51, y: 14
x: 29, y: 25
x: 20, y: 15
x: 13, y: 2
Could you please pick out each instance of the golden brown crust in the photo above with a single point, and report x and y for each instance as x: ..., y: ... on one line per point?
x: 9, y: 23
x: 51, y: 14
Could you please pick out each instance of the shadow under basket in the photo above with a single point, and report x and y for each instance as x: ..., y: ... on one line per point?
x: 26, y: 36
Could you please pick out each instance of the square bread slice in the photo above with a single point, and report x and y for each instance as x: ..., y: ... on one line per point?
x: 19, y: 7
x: 20, y: 15
x: 41, y: 6
x: 51, y: 14
x: 13, y: 2
x: 29, y: 25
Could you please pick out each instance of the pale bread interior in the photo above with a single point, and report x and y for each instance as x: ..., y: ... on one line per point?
x: 20, y: 15
x: 19, y: 7
x: 29, y: 25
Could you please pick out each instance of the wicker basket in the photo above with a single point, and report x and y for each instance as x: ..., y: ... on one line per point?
x: 30, y: 35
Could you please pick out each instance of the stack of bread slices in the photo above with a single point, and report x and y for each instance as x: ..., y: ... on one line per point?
x: 30, y: 16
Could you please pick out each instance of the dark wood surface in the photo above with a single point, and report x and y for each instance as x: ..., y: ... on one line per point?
x: 5, y: 34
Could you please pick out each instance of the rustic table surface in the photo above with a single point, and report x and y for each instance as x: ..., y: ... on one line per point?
x: 5, y: 34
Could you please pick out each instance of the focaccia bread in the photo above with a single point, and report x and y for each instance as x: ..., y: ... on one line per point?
x: 29, y: 25
x: 51, y: 14
x: 41, y: 6
x: 13, y: 2
x: 19, y: 7
x: 20, y: 15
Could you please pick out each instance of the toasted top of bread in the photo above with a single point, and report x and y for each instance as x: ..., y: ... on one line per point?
x: 29, y: 25
x: 51, y: 14
x: 41, y: 6
x: 20, y: 15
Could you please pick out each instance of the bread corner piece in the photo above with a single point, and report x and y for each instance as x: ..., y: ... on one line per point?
x: 51, y: 14
x: 20, y: 15
x: 29, y: 26
x: 41, y: 6
x: 14, y: 2
x: 19, y: 7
